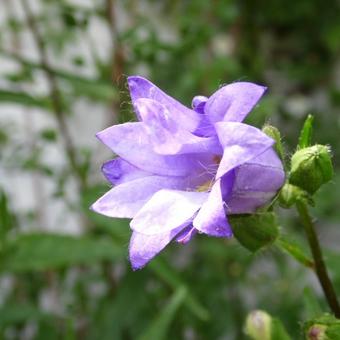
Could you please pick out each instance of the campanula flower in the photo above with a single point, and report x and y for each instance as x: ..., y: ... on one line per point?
x: 182, y: 171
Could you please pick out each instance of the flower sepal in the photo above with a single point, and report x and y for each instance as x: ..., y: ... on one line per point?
x: 274, y: 133
x: 255, y: 231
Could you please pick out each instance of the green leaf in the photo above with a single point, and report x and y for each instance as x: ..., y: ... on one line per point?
x: 278, y: 331
x: 305, y: 138
x: 292, y: 248
x: 18, y: 313
x: 172, y: 278
x: 255, y: 231
x: 23, y: 98
x: 311, y: 303
x: 159, y: 327
x: 31, y: 252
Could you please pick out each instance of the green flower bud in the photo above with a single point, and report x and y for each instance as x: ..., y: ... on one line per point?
x: 311, y: 167
x: 255, y: 231
x: 274, y: 133
x: 258, y: 325
x: 290, y: 194
x: 316, y: 332
x: 326, y: 327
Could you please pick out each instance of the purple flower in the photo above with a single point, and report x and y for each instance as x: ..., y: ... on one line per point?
x: 180, y: 171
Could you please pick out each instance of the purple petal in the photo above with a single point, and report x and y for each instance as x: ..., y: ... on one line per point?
x: 145, y: 247
x: 263, y: 173
x: 126, y: 199
x: 241, y: 143
x: 167, y: 136
x: 130, y: 141
x: 118, y: 171
x: 233, y: 102
x: 198, y: 103
x: 211, y: 219
x: 186, y: 235
x: 143, y: 88
x: 256, y: 183
x: 167, y: 210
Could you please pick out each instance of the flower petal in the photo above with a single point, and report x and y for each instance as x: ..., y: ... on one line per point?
x: 241, y: 143
x: 186, y: 234
x: 126, y: 199
x: 143, y: 88
x: 167, y: 210
x: 167, y: 136
x: 233, y: 102
x: 145, y: 247
x: 118, y: 171
x: 212, y: 219
x: 263, y: 173
x: 256, y: 183
x: 130, y: 141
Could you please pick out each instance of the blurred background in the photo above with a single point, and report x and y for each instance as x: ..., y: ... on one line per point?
x: 64, y: 272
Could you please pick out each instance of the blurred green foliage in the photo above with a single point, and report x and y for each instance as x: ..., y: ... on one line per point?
x: 55, y: 286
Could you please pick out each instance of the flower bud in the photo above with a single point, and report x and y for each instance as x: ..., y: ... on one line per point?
x: 255, y: 231
x: 326, y: 327
x: 316, y: 332
x: 258, y: 325
x: 290, y: 194
x: 311, y: 167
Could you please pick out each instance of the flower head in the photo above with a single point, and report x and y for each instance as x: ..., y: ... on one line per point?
x: 180, y: 171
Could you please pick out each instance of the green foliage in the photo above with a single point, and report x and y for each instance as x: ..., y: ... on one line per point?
x: 305, y: 139
x: 31, y: 252
x: 158, y: 328
x: 202, y: 290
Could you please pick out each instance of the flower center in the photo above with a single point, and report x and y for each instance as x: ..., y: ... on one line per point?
x: 206, y: 186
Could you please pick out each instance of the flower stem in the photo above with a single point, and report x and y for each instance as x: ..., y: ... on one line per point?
x: 320, y: 267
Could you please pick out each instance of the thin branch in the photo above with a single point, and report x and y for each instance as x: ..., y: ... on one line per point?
x: 55, y: 95
x: 320, y: 267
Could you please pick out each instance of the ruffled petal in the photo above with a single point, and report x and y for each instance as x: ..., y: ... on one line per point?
x: 241, y: 143
x: 143, y: 247
x: 167, y: 210
x: 167, y: 136
x: 233, y: 102
x: 212, y: 219
x: 130, y: 141
x: 143, y: 88
x: 118, y: 171
x: 126, y: 199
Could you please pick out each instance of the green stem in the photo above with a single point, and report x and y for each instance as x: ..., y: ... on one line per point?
x: 320, y: 267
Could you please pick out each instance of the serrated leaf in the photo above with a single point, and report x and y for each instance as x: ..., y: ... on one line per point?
x: 31, y: 252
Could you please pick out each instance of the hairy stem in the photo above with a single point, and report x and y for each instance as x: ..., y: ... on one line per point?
x: 320, y: 267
